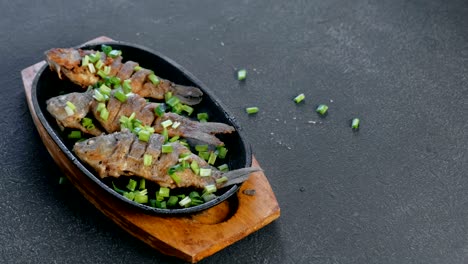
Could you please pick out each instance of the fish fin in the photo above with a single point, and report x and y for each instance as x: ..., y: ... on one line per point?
x: 215, y: 128
x: 188, y: 95
x: 238, y: 176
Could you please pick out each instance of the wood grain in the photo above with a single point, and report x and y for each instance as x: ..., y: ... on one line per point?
x: 189, y: 237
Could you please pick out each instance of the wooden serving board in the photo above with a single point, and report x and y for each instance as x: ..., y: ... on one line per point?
x: 189, y: 237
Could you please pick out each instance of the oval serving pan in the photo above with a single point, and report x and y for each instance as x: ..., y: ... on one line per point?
x: 47, y: 85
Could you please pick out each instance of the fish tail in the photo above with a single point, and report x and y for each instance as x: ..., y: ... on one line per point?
x: 187, y: 94
x: 238, y: 176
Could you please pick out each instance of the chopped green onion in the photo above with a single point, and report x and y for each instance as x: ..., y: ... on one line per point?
x: 222, y: 151
x: 106, y: 49
x: 85, y: 61
x: 144, y: 135
x: 166, y: 123
x: 69, y: 111
x: 129, y: 195
x: 71, y: 105
x: 223, y: 168
x: 164, y: 192
x: 205, y: 172
x: 86, y: 121
x: 202, y: 116
x: 322, y: 109
x: 104, y: 114
x: 174, y: 169
x: 165, y: 134
x: 114, y: 80
x: 140, y: 198
x: 163, y: 205
x: 221, y: 180
x: 91, y: 68
x: 212, y: 158
x: 251, y: 110
x: 99, y: 65
x: 187, y: 109
x: 167, y: 148
x: 194, y: 195
x: 94, y: 57
x: 299, y: 98
x: 160, y: 109
x: 175, y: 177
x: 174, y: 139
x: 201, y: 147
x: 142, y: 185
x: 147, y: 160
x: 208, y: 197
x: 152, y: 202
x: 159, y: 197
x: 173, y: 101
x: 355, y: 123
x: 195, y: 168
x: 154, y: 79
x: 137, y: 68
x: 241, y: 74
x: 183, y: 142
x: 127, y: 88
x: 103, y: 89
x: 210, y: 188
x: 115, y: 53
x: 177, y: 108
x: 131, y: 185
x: 120, y: 96
x: 75, y: 134
x: 185, y: 201
x: 167, y: 96
x: 107, y: 70
x: 204, y: 155
x: 100, y: 106
x: 99, y: 96
x: 175, y: 124
x: 172, y: 201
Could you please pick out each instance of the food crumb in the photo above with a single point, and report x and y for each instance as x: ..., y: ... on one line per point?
x: 222, y: 43
x: 250, y: 192
x: 312, y: 122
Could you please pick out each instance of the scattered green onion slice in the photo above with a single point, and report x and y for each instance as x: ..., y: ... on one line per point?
x: 69, y: 111
x: 201, y: 147
x: 322, y: 109
x: 167, y: 96
x: 94, y: 57
x: 221, y: 180
x: 131, y: 185
x: 212, y: 158
x: 144, y: 135
x: 166, y: 123
x: 75, y: 134
x: 208, y: 197
x: 100, y: 106
x: 102, y: 74
x: 175, y: 177
x: 99, y: 96
x: 91, y: 68
x: 140, y: 198
x: 103, y: 89
x: 204, y: 155
x: 222, y: 152
x: 147, y: 160
x: 129, y: 195
x: 202, y: 116
x: 127, y: 88
x: 241, y: 74
x: 71, y: 105
x: 187, y: 109
x: 160, y: 109
x: 165, y: 134
x: 299, y: 98
x: 205, y: 172
x: 167, y: 148
x: 173, y: 101
x: 142, y: 185
x: 137, y: 68
x: 154, y: 79
x: 99, y: 64
x: 164, y: 192
x: 195, y: 168
x: 185, y: 201
x: 106, y: 49
x: 120, y: 96
x: 176, y: 124
x: 107, y: 70
x: 355, y: 123
x: 223, y: 168
x: 85, y: 61
x: 104, y: 114
x: 117, y: 189
x: 115, y: 53
x: 172, y: 201
x: 251, y: 110
x: 210, y: 188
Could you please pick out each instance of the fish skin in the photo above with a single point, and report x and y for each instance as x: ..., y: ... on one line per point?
x: 82, y: 101
x: 68, y: 62
x: 121, y: 154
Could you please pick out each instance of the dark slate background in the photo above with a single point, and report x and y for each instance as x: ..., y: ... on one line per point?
x: 394, y: 192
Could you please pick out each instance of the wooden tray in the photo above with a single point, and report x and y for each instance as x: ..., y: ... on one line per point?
x: 189, y: 237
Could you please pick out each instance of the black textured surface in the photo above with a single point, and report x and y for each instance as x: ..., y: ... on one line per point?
x: 395, y: 192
